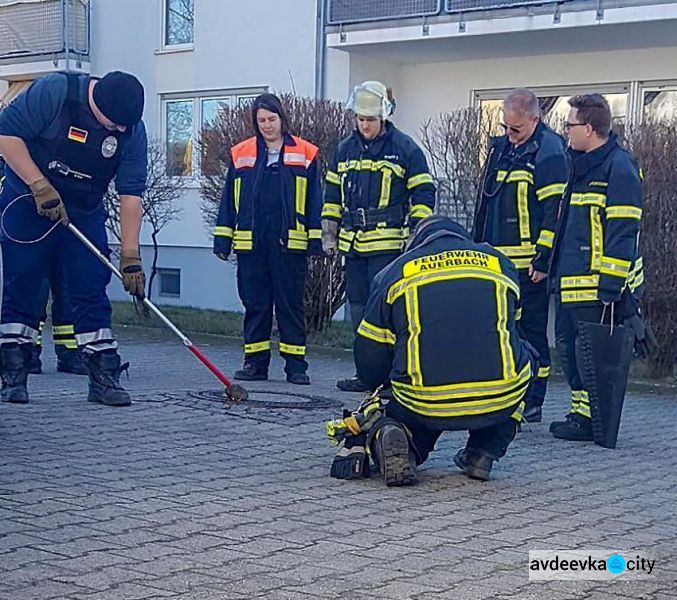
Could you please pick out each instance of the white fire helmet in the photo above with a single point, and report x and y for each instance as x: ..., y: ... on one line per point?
x: 370, y: 99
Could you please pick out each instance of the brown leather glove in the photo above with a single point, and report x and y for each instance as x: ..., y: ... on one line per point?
x: 48, y: 201
x: 133, y: 277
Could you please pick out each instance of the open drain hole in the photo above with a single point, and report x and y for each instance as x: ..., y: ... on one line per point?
x: 262, y: 398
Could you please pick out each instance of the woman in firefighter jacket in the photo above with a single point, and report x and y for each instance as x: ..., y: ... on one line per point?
x: 270, y: 217
x: 595, y: 258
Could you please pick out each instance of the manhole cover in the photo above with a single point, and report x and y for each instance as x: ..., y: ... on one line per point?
x: 271, y: 399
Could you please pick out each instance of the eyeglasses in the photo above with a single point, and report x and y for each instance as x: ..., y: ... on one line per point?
x: 511, y: 128
x: 568, y: 125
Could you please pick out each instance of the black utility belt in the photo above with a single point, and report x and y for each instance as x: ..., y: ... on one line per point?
x: 369, y: 218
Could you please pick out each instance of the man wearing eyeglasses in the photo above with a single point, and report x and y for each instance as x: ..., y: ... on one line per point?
x: 524, y: 177
x: 595, y: 259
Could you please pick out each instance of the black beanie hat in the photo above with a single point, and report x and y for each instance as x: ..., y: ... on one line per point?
x: 119, y: 96
x: 271, y: 103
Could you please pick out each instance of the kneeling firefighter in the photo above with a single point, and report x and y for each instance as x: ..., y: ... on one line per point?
x: 270, y: 217
x: 440, y: 325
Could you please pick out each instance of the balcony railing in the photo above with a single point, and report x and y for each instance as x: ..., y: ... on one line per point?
x: 343, y: 12
x: 43, y: 29
x: 361, y: 11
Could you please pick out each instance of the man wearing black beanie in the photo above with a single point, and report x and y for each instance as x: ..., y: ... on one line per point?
x: 64, y: 140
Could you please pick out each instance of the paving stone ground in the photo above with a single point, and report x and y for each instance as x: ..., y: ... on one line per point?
x: 181, y: 496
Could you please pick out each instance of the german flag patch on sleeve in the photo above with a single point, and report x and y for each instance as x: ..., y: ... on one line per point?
x: 77, y: 135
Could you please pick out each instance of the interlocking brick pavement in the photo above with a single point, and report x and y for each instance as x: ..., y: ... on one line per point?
x: 182, y: 496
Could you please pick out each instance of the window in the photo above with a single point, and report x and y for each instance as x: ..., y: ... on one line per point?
x: 185, y: 118
x: 179, y: 22
x: 659, y: 102
x: 179, y: 136
x: 170, y: 282
x: 554, y: 102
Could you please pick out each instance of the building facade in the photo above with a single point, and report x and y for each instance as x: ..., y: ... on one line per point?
x: 195, y: 56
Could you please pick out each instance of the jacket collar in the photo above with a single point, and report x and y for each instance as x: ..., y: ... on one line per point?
x: 585, y: 161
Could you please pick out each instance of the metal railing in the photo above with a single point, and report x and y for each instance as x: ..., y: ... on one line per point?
x: 361, y: 11
x: 344, y: 12
x: 456, y: 6
x: 34, y: 28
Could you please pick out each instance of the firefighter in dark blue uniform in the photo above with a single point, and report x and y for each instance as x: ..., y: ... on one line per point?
x: 440, y: 325
x: 270, y: 217
x: 596, y: 260
x: 64, y: 140
x: 68, y: 356
x: 377, y: 187
x: 523, y: 182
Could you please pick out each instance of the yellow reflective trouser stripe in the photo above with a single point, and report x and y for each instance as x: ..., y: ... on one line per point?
x: 236, y: 194
x: 546, y: 238
x: 554, y: 189
x: 543, y: 372
x: 623, y: 212
x: 414, y: 327
x: 419, y: 179
x: 636, y: 275
x: 519, y: 411
x: 257, y: 347
x: 331, y: 210
x: 223, y: 231
x: 583, y: 405
x: 301, y: 193
x: 590, y: 198
x: 523, y: 210
x: 384, y: 199
x: 420, y: 211
x: 69, y: 344
x: 292, y: 349
x: 615, y: 267
x: 334, y: 178
x: 377, y: 334
x: 315, y: 234
x: 596, y: 239
x: 63, y: 330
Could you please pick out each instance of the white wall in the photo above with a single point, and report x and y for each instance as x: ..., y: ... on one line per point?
x: 427, y: 89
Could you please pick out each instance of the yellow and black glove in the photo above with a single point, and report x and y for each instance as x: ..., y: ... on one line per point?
x: 48, y: 201
x: 352, y: 460
x: 133, y: 277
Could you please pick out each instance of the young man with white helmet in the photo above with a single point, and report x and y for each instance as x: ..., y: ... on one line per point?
x: 378, y: 186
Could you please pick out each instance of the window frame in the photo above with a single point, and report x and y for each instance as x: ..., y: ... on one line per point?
x: 197, y: 98
x: 165, y: 45
x: 161, y: 272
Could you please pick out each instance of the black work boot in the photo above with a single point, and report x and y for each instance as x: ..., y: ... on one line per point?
x: 298, y: 378
x: 104, y: 378
x: 70, y: 361
x: 15, y: 361
x: 395, y: 460
x: 475, y: 463
x: 354, y: 384
x: 575, y: 428
x: 533, y: 414
x: 251, y: 372
x: 35, y: 365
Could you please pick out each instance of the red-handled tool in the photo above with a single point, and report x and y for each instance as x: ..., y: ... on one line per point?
x: 233, y: 391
